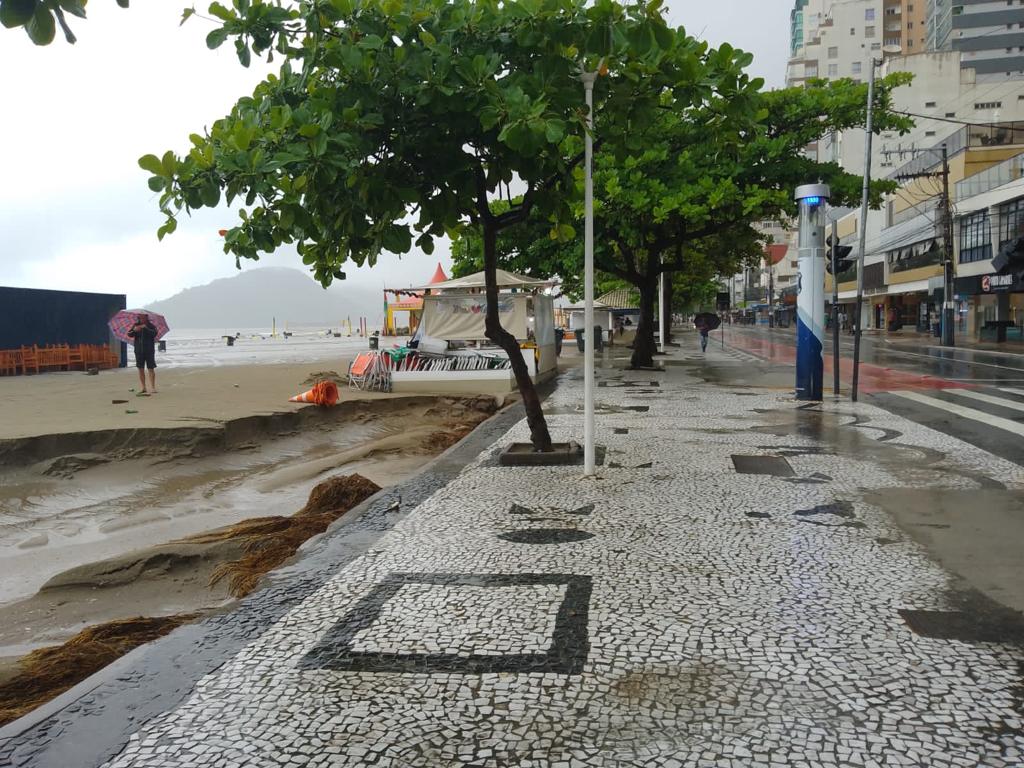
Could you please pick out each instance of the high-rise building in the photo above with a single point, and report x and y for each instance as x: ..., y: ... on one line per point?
x: 988, y: 33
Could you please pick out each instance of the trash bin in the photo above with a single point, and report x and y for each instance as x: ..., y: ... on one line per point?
x: 579, y: 340
x: 559, y: 336
x: 375, y: 342
x: 937, y: 330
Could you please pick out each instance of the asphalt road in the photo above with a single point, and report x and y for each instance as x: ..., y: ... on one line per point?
x: 974, y: 395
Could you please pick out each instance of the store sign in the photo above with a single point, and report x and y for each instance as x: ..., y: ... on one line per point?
x: 995, y: 283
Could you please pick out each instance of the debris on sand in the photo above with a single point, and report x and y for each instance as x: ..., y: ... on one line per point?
x: 270, y: 541
x: 48, y: 672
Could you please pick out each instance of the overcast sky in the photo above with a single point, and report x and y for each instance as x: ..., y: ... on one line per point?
x: 75, y: 212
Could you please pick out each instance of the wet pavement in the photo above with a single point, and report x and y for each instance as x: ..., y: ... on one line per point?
x: 731, y: 590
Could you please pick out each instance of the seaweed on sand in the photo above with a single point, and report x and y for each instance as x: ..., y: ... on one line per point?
x: 48, y: 672
x: 270, y: 541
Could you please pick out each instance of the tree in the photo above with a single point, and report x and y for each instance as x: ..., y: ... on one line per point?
x: 394, y: 121
x: 40, y: 18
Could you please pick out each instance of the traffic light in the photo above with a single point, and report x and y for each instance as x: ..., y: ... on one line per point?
x: 843, y: 260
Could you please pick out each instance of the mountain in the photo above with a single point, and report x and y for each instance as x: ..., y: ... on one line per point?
x: 251, y: 298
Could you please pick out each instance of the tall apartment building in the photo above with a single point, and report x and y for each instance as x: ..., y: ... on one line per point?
x: 988, y: 33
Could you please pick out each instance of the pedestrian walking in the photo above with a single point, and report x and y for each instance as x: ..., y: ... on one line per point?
x: 704, y: 339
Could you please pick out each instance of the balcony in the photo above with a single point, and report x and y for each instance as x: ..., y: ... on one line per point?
x: 925, y: 254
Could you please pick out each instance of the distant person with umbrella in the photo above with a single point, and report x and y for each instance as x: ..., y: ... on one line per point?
x: 143, y: 329
x: 706, y: 322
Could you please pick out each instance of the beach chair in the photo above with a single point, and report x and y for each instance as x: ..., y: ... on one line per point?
x: 76, y: 356
x: 361, y: 370
x: 9, y: 360
x: 29, y: 359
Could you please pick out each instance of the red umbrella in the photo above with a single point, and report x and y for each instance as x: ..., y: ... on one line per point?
x: 124, y: 320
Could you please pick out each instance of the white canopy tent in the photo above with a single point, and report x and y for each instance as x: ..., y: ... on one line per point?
x: 477, y: 281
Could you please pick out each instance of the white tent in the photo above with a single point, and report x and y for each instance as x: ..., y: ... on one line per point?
x: 477, y: 282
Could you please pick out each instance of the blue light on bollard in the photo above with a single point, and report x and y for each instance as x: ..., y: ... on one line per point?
x: 810, y: 303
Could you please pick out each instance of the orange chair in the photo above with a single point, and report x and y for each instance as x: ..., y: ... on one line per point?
x: 9, y: 360
x: 76, y: 356
x: 29, y: 359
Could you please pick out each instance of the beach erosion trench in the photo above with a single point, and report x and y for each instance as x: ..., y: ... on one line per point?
x: 264, y: 465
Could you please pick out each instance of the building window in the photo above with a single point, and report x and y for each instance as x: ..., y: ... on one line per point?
x: 926, y: 133
x: 833, y: 71
x: 927, y: 105
x: 876, y: 46
x: 975, y: 238
x: 1012, y: 215
x: 951, y: 114
x: 869, y: 32
x: 856, y: 69
x: 988, y: 105
x: 833, y: 53
x: 869, y: 15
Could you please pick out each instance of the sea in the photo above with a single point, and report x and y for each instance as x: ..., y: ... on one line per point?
x: 205, y: 347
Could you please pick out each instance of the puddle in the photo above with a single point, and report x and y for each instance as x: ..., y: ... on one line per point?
x: 546, y: 536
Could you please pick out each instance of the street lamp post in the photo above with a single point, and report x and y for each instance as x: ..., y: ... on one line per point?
x: 863, y: 223
x: 589, y: 469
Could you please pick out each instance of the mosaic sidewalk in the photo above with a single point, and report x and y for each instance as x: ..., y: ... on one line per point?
x: 671, y: 612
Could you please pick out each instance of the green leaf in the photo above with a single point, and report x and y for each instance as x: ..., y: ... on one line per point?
x: 15, y: 13
x: 41, y: 27
x: 426, y: 38
x: 157, y: 183
x: 343, y: 7
x: 222, y: 13
x: 168, y: 228
x: 169, y: 163
x: 123, y: 3
x: 320, y: 145
x: 244, y: 57
x: 152, y: 164
x: 554, y: 131
x: 187, y: 14
x: 210, y: 194
x: 216, y: 38
x: 74, y: 7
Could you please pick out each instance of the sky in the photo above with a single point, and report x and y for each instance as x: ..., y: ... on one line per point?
x: 75, y: 212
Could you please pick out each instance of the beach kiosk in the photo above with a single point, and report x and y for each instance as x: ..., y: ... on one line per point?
x: 453, y: 326
x: 407, y: 301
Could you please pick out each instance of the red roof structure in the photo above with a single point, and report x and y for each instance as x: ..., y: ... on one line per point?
x: 439, y: 275
x: 776, y: 253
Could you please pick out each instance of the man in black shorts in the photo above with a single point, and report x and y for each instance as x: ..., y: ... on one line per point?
x: 144, y: 335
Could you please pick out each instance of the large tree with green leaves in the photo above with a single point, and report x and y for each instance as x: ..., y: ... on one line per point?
x: 393, y: 122
x: 40, y: 18
x: 682, y: 191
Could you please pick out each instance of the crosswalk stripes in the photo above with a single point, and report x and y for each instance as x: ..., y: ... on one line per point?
x: 973, y: 414
x: 1002, y: 402
x: 1012, y: 391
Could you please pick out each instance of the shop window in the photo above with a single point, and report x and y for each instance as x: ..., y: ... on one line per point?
x: 975, y: 238
x: 1012, y: 227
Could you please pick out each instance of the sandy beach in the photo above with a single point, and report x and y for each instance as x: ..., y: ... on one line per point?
x: 101, y: 501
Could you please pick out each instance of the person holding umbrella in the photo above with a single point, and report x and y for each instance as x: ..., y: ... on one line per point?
x: 705, y: 323
x: 143, y: 334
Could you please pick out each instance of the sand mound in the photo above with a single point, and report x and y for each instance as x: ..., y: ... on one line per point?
x: 270, y: 541
x: 49, y: 672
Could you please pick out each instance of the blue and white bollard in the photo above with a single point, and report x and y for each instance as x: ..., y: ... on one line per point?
x: 810, y: 303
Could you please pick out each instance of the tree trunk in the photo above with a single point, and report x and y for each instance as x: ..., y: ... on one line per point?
x: 644, y: 347
x: 539, y: 435
x: 666, y: 311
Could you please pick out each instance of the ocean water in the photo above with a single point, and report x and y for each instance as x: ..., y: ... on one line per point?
x: 203, y: 347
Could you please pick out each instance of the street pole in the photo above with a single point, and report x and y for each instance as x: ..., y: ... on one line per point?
x: 771, y: 292
x: 863, y: 225
x: 835, y: 309
x: 949, y: 306
x: 661, y: 310
x: 588, y: 283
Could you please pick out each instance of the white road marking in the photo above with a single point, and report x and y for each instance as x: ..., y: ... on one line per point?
x: 967, y: 413
x: 1002, y: 402
x: 1011, y: 390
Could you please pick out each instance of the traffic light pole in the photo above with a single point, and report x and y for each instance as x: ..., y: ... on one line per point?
x: 835, y: 309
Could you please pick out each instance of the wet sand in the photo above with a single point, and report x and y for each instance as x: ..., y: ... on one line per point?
x: 92, y: 535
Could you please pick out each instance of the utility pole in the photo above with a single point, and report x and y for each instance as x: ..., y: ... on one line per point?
x: 863, y: 224
x: 835, y: 308
x: 946, y: 205
x: 948, y: 306
x: 771, y: 291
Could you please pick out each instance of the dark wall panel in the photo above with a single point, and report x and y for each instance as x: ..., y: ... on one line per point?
x: 30, y: 316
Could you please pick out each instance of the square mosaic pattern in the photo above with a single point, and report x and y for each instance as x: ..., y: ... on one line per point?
x: 431, y: 622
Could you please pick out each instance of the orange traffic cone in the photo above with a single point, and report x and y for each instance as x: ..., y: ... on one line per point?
x: 322, y: 393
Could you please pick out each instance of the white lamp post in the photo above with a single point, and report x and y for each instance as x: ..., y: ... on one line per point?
x: 589, y: 470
